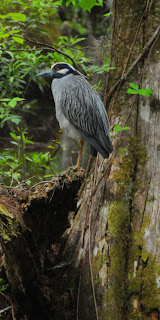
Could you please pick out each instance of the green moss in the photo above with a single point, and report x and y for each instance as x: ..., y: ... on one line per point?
x: 133, y: 271
x: 150, y: 291
x: 144, y: 286
x: 119, y: 226
x: 7, y: 229
x: 97, y: 263
x: 133, y: 159
x: 134, y: 316
x: 143, y: 271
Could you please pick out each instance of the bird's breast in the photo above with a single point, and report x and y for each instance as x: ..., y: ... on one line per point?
x: 65, y: 125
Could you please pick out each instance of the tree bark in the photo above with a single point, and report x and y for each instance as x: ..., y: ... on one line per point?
x: 119, y: 212
x: 33, y: 222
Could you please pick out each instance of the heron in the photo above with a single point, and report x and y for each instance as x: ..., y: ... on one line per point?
x: 79, y: 109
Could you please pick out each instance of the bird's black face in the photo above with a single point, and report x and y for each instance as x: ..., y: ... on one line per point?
x: 59, y: 70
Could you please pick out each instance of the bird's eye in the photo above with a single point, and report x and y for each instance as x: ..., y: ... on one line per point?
x: 56, y: 69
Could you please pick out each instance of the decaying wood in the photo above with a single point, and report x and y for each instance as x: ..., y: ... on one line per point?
x: 33, y: 221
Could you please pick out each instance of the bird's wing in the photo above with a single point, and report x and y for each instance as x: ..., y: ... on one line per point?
x: 83, y: 107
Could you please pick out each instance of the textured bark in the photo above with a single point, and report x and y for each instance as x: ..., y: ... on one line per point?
x: 118, y: 217
x: 32, y: 224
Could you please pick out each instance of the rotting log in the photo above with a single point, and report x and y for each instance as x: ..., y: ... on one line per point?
x: 33, y: 222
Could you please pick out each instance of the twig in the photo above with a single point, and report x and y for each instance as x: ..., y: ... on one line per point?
x: 5, y: 309
x: 12, y: 310
x: 43, y: 182
x: 47, y: 46
x: 140, y: 56
x: 125, y: 122
x: 26, y: 50
x: 111, y: 51
x: 12, y: 177
x: 89, y: 243
x: 78, y: 296
x: 127, y: 61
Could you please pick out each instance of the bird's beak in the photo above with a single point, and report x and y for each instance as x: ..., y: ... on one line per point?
x: 47, y: 74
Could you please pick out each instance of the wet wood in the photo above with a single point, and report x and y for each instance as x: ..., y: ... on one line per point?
x: 33, y: 222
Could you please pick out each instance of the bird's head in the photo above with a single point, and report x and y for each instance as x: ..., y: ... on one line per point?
x: 59, y: 70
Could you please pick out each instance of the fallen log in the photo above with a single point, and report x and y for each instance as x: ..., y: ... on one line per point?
x: 34, y: 223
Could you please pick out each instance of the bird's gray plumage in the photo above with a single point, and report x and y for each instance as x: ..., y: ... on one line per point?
x: 80, y: 111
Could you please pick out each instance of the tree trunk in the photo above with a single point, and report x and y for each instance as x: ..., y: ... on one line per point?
x: 33, y: 221
x: 105, y: 265
x: 119, y: 220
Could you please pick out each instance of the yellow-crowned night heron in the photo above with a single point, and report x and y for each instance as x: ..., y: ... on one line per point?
x: 79, y: 109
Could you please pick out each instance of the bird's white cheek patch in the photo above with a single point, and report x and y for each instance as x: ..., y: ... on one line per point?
x: 63, y: 71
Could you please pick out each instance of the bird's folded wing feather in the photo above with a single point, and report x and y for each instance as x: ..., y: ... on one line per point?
x: 83, y: 107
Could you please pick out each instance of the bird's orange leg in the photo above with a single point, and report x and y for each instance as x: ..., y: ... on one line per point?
x: 80, y: 153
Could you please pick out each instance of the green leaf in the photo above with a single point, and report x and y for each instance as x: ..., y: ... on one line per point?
x: 17, y: 39
x: 142, y: 92
x: 17, y: 16
x: 14, y: 101
x: 58, y: 3
x: 4, y: 35
x: 89, y: 4
x: 132, y: 91
x: 16, y: 120
x: 76, y: 40
x: 134, y: 86
x: 108, y: 14
x: 3, y: 16
x: 71, y: 1
x: 48, y: 175
x: 5, y: 99
x: 118, y: 128
x: 15, y: 143
x: 10, y: 53
x: 15, y: 31
x: 145, y: 92
x: 29, y: 141
x: 14, y: 136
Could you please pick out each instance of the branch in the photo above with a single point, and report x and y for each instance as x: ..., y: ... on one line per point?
x: 47, y: 46
x: 26, y: 50
x: 140, y: 56
x: 10, y: 303
x: 5, y: 309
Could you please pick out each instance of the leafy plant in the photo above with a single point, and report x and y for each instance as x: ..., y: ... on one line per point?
x: 3, y: 285
x: 36, y: 163
x: 143, y: 92
x: 7, y: 113
x: 118, y: 128
x: 17, y: 164
x: 73, y: 49
x: 133, y: 90
x: 108, y: 14
x: 86, y: 5
x: 19, y: 66
x: 100, y: 69
x: 98, y: 86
